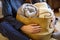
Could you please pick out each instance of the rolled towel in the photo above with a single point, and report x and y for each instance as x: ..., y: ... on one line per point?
x: 44, y: 11
x: 28, y: 10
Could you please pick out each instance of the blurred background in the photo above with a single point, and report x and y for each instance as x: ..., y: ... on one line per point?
x: 54, y: 4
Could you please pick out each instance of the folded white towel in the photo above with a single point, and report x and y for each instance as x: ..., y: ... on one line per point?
x: 28, y: 10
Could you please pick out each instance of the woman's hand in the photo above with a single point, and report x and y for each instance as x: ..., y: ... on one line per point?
x: 32, y: 28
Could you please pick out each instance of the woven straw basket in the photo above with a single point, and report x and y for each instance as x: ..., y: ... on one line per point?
x: 44, y: 34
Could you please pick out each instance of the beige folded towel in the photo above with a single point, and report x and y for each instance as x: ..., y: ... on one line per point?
x: 28, y: 10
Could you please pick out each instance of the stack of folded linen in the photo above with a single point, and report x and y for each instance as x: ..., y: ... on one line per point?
x: 40, y: 14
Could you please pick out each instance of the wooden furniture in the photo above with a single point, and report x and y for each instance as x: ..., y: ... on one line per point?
x: 55, y: 4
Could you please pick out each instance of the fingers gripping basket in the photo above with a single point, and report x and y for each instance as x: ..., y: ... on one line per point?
x: 32, y: 14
